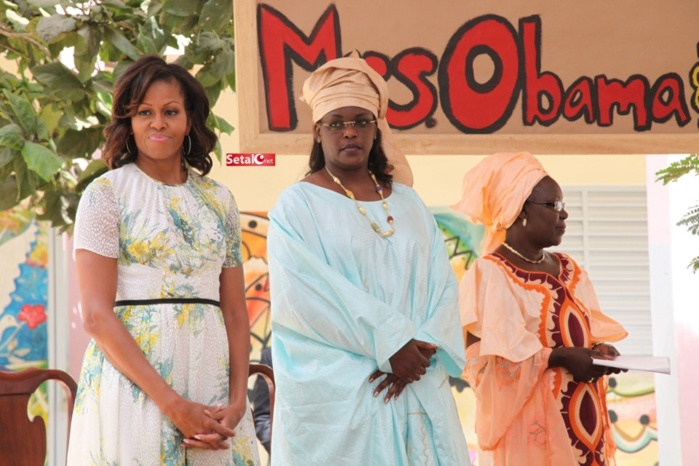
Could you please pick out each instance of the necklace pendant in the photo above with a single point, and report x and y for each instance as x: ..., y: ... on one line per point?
x: 522, y: 256
x: 362, y: 210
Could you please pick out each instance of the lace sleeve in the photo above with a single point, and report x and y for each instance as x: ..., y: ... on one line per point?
x: 97, y: 220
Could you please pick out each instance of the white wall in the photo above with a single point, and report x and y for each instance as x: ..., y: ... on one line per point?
x: 674, y: 311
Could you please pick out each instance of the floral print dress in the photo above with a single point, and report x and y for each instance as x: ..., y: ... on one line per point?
x: 170, y: 241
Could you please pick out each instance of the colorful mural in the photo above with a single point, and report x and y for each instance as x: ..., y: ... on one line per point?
x: 24, y: 298
x: 631, y: 396
x: 631, y: 404
x: 254, y: 227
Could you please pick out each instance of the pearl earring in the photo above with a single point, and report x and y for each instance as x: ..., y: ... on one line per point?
x: 524, y: 223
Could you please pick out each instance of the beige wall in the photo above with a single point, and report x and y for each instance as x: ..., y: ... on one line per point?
x: 437, y: 178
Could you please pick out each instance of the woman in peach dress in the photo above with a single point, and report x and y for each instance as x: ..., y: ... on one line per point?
x: 532, y: 325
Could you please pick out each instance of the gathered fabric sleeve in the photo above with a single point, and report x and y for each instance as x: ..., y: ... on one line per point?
x: 97, y: 220
x: 506, y: 367
x: 494, y: 309
x: 602, y: 327
x: 503, y: 389
x: 234, y: 256
x: 442, y: 324
x: 312, y: 299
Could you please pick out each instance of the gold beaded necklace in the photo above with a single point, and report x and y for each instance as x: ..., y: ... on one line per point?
x: 521, y: 256
x: 362, y: 210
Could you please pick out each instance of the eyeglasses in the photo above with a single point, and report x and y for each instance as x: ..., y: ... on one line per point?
x: 557, y: 206
x: 359, y: 125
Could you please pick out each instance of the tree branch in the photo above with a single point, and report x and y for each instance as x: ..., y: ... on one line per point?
x: 25, y: 37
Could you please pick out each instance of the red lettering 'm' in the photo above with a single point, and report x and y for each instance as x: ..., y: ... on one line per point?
x: 281, y: 42
x: 613, y: 93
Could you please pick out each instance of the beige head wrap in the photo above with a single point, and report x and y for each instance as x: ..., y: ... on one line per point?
x: 351, y: 82
x: 494, y: 192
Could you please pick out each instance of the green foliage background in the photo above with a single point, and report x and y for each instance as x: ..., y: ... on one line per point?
x: 52, y: 116
x: 687, y: 166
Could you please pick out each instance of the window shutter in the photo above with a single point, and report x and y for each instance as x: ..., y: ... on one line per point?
x: 607, y: 234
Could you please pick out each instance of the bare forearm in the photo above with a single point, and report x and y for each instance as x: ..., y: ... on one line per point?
x: 239, y: 353
x: 235, y: 318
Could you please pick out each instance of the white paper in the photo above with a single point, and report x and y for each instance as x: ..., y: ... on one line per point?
x: 637, y: 363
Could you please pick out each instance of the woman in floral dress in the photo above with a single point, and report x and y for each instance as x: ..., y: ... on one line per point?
x: 157, y: 248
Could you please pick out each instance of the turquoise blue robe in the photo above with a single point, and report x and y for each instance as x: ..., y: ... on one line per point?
x: 344, y: 300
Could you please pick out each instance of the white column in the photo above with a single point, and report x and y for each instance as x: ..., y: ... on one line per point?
x: 674, y: 309
x: 57, y: 345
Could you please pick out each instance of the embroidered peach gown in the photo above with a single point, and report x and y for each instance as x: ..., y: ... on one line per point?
x: 527, y: 414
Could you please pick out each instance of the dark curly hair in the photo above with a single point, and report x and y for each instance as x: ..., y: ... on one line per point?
x: 378, y: 163
x: 129, y: 91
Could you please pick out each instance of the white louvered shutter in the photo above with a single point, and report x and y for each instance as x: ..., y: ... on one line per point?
x: 607, y: 234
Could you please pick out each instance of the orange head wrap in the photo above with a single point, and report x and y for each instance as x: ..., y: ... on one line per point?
x: 351, y: 82
x: 494, y: 192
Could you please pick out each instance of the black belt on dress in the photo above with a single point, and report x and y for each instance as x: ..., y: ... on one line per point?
x: 145, y: 302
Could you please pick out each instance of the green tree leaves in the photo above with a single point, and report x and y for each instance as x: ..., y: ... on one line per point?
x: 686, y: 166
x: 114, y: 36
x: 216, y: 14
x: 41, y: 160
x: 55, y: 104
x: 11, y: 136
x: 20, y: 111
x: 59, y: 82
x: 51, y: 27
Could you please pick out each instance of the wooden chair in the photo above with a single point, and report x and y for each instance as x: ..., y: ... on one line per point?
x: 267, y: 373
x: 24, y: 440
